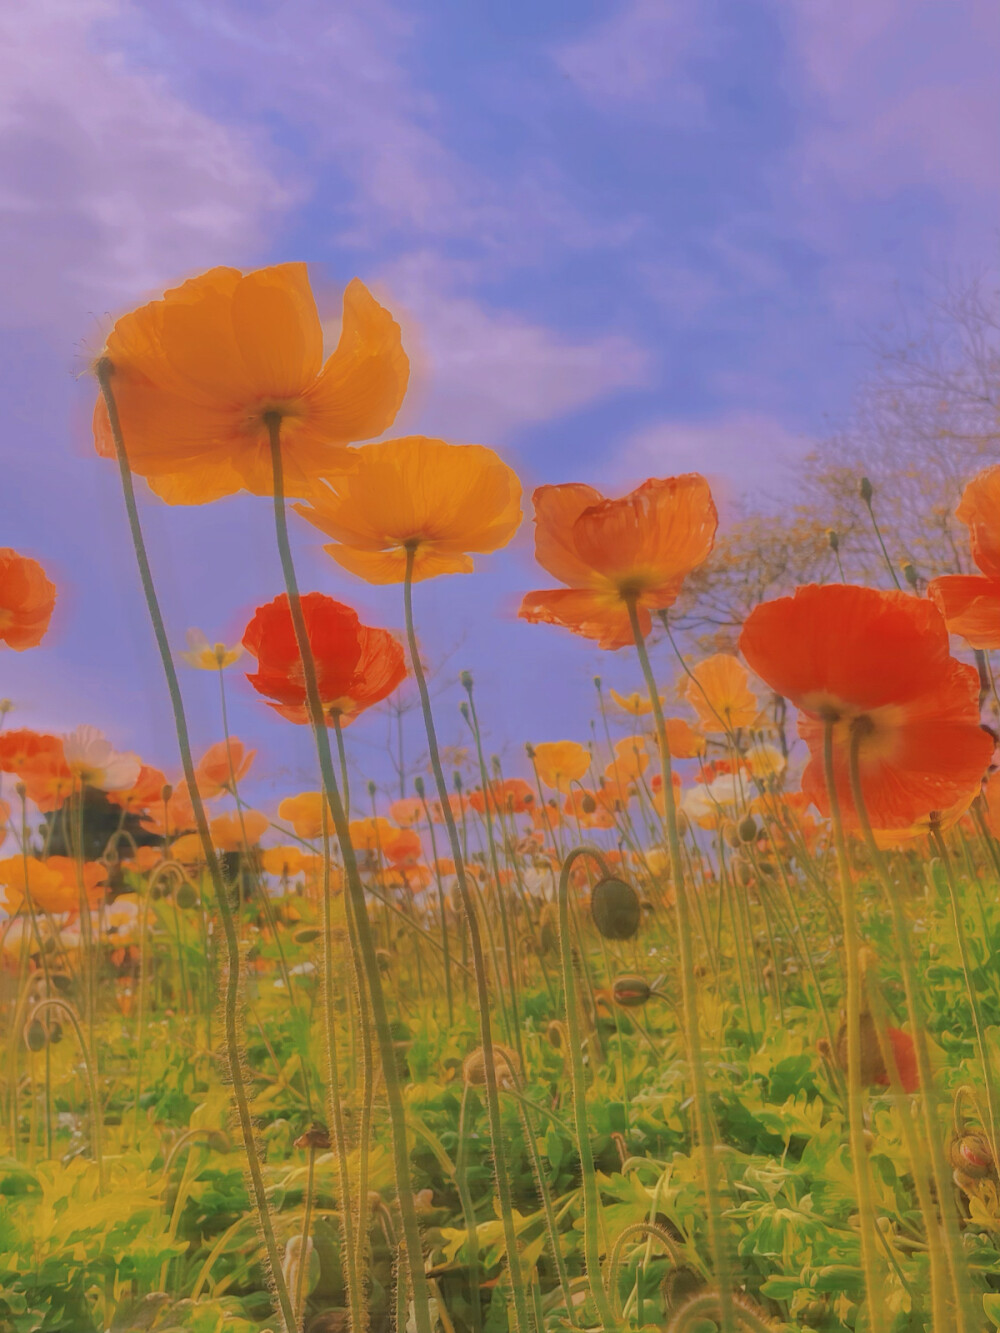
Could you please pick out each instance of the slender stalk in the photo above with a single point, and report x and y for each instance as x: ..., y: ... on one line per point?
x: 692, y: 1034
x: 105, y: 371
x: 591, y: 1199
x: 351, y: 1272
x: 397, y: 1115
x: 874, y: 1279
x: 963, y: 1316
x: 478, y: 962
x: 300, y: 1281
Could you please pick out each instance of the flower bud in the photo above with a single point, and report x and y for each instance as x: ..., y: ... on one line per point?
x: 614, y: 905
x: 747, y: 829
x: 833, y: 537
x: 629, y: 991
x: 866, y: 490
x: 185, y: 897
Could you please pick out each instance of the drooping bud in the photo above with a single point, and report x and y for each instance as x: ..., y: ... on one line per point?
x: 747, y: 829
x: 505, y: 1064
x: 614, y: 905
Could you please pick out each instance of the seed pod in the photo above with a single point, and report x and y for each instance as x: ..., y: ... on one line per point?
x: 307, y: 934
x: 747, y: 829
x: 35, y: 1036
x: 588, y: 805
x: 185, y: 897
x: 614, y: 905
x: 630, y: 991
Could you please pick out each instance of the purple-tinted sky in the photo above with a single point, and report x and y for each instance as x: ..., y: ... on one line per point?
x: 623, y: 239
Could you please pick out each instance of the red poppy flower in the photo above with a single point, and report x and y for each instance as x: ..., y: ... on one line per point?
x: 970, y: 603
x: 876, y: 665
x: 27, y: 599
x: 356, y: 665
x: 906, y: 1061
x: 513, y: 796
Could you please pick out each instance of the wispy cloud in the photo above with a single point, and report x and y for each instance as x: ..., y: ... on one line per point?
x: 112, y: 184
x: 480, y: 373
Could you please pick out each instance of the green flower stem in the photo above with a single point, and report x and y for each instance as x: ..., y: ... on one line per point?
x: 970, y: 986
x: 936, y: 1259
x: 692, y: 1034
x: 591, y: 1199
x: 96, y: 1119
x: 105, y: 371
x: 874, y: 1279
x: 397, y: 1115
x: 468, y: 1212
x: 509, y: 946
x: 478, y: 961
x: 300, y: 1282
x: 442, y: 912
x: 355, y: 1299
x: 964, y: 1319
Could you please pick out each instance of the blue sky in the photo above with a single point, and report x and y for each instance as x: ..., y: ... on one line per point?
x: 623, y: 239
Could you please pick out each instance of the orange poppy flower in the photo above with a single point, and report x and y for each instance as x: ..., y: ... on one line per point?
x: 877, y: 662
x: 221, y: 765
x: 970, y: 603
x: 561, y: 762
x: 44, y: 882
x: 587, y: 807
x: 513, y: 796
x: 402, y: 847
x: 635, y: 704
x: 22, y: 747
x: 173, y: 816
x: 282, y: 862
x: 656, y: 789
x: 683, y: 740
x: 146, y: 791
x: 630, y: 762
x: 227, y: 830
x: 305, y: 814
x: 356, y: 665
x: 198, y: 373
x: 442, y: 500
x: 607, y: 552
x: 95, y: 875
x: 27, y: 600
x: 48, y: 779
x: 367, y: 835
x: 407, y: 811
x: 719, y: 692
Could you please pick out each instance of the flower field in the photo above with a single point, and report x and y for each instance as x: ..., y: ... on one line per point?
x: 687, y: 1024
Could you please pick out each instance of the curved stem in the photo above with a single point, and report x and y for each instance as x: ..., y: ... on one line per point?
x: 692, y: 1034
x: 233, y: 1045
x: 95, y: 1102
x: 397, y: 1115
